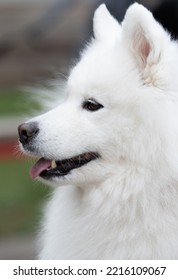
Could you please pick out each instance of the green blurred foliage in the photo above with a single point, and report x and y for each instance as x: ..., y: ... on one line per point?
x: 15, y: 102
x: 21, y: 198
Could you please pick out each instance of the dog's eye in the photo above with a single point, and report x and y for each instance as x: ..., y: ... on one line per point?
x: 92, y: 105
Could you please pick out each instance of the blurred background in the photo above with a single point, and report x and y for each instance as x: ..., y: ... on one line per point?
x: 39, y: 40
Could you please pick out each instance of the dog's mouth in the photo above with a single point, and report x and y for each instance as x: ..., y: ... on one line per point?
x: 47, y: 169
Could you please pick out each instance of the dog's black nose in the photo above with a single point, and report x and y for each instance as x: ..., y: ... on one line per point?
x: 27, y: 131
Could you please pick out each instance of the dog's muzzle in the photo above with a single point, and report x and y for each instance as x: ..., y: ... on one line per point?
x: 48, y: 168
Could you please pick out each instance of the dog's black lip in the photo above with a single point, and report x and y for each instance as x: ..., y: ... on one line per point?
x: 66, y: 165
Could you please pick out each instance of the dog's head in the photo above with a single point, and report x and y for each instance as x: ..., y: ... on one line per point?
x: 117, y: 99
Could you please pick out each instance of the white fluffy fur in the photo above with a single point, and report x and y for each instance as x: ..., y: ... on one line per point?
x: 125, y: 204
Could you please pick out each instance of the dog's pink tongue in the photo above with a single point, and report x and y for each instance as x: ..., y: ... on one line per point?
x: 41, y: 165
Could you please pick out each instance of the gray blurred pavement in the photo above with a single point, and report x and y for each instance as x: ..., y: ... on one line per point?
x: 18, y: 248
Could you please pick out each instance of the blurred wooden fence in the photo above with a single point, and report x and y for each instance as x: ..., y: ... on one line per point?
x: 38, y: 39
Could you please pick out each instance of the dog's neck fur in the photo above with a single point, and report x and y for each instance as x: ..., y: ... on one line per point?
x: 131, y: 210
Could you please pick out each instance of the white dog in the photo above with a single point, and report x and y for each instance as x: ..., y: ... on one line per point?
x: 111, y: 149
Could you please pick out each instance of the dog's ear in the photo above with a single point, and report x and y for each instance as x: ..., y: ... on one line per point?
x: 144, y: 37
x: 105, y: 27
